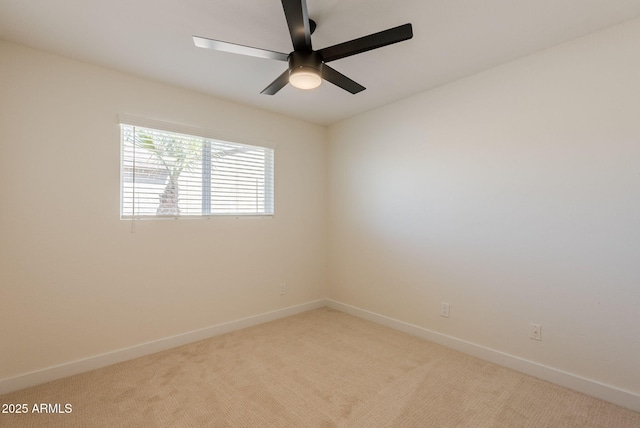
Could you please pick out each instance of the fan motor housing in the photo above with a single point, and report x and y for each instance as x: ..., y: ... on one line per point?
x: 305, y: 59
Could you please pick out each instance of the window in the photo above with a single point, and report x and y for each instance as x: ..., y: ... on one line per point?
x: 175, y: 175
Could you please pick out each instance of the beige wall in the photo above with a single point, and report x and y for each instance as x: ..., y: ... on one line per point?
x: 513, y: 195
x: 75, y: 282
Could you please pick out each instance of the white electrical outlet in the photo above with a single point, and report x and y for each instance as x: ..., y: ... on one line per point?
x: 444, y: 309
x: 283, y: 288
x: 535, y: 331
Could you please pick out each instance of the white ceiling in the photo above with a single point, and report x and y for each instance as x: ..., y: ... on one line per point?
x: 452, y: 39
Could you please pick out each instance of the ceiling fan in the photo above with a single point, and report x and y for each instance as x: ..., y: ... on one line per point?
x: 308, y: 67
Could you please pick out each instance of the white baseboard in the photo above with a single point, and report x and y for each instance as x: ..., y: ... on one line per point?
x: 79, y: 366
x: 594, y: 388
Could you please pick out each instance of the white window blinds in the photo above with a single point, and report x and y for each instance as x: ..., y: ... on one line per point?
x: 169, y: 174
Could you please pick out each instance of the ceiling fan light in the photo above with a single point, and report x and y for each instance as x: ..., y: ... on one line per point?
x: 305, y: 78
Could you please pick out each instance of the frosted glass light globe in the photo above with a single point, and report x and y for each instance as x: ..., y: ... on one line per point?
x: 305, y: 78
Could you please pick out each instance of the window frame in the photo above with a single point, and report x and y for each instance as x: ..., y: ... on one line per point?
x: 135, y: 121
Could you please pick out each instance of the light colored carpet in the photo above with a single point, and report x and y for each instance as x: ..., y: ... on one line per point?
x: 322, y: 368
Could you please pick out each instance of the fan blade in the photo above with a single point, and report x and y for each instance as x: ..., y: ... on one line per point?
x: 367, y: 43
x: 295, y: 11
x: 218, y: 45
x: 277, y: 84
x: 339, y: 79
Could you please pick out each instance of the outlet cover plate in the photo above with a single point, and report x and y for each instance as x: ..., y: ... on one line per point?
x: 444, y: 309
x: 535, y: 331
